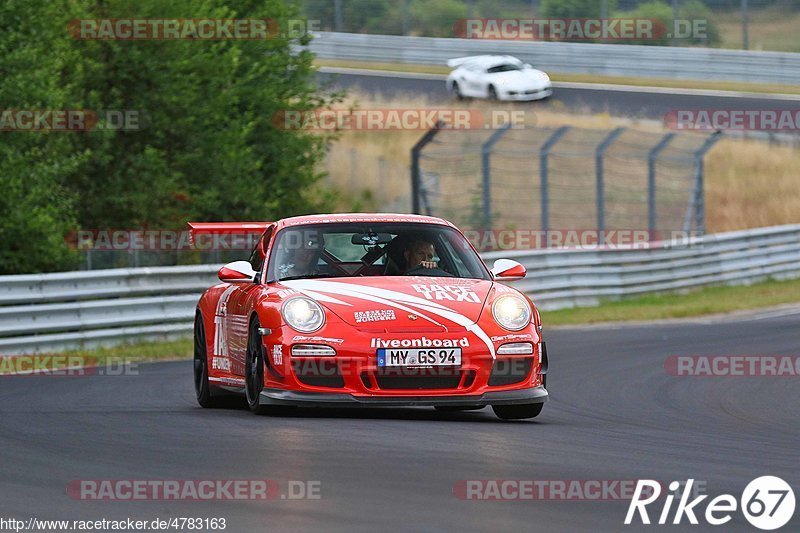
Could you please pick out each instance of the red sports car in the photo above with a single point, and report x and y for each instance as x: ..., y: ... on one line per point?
x: 368, y: 310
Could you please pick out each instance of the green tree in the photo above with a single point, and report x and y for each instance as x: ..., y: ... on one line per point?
x: 573, y: 8
x: 35, y: 210
x: 436, y: 18
x: 209, y: 147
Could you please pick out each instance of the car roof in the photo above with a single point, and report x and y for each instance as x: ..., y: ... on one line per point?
x: 337, y: 218
x: 484, y: 61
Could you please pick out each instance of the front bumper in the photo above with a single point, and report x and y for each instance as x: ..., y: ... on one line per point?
x: 324, y: 399
x: 525, y: 96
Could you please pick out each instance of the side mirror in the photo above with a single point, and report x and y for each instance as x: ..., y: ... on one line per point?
x: 508, y: 270
x: 237, y: 272
x: 527, y: 65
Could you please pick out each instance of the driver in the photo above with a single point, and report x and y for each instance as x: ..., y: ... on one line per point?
x: 419, y: 253
x: 301, y: 254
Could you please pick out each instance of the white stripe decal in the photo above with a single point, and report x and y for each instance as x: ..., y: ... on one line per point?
x: 373, y: 299
x: 325, y: 298
x: 389, y: 297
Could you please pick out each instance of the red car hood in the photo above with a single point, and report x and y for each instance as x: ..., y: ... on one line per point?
x: 397, y: 304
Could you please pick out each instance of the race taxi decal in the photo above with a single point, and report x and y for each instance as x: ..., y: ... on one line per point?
x: 378, y: 315
x: 453, y: 293
x: 422, y: 342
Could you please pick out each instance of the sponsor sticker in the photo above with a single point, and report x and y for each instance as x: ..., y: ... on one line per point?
x: 422, y: 342
x: 377, y: 315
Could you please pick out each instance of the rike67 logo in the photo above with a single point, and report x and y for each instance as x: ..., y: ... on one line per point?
x: 767, y: 503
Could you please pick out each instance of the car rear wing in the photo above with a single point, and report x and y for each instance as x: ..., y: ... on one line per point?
x: 216, y: 228
x: 458, y: 61
x: 486, y: 60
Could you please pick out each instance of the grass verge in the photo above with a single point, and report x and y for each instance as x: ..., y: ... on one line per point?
x: 706, y: 301
x: 113, y: 357
x: 581, y: 78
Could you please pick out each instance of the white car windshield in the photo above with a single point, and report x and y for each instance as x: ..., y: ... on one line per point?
x: 373, y: 249
x: 504, y: 68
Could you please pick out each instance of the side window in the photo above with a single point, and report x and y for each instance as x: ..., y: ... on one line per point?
x: 257, y: 256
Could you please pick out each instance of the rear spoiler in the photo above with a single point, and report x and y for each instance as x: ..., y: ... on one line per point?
x: 212, y: 228
x: 458, y: 61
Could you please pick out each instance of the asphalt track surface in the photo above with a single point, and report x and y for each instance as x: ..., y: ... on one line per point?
x: 614, y: 414
x: 637, y: 103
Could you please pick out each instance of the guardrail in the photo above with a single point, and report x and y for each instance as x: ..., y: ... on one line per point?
x: 571, y: 58
x: 48, y: 312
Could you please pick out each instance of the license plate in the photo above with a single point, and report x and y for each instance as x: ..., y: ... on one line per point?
x: 419, y: 357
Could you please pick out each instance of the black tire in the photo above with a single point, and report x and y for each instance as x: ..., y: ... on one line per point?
x: 205, y: 393
x: 518, y: 412
x: 254, y: 370
x: 455, y: 408
x: 456, y: 90
x: 492, y: 93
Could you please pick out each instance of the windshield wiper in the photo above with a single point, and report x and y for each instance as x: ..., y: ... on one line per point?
x: 308, y: 276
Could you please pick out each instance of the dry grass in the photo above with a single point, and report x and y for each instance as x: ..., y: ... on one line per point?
x: 749, y: 183
x: 773, y: 28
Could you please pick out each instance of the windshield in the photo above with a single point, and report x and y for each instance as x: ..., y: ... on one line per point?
x: 372, y: 249
x: 504, y: 68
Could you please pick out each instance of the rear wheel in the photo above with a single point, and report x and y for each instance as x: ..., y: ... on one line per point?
x: 517, y: 412
x: 254, y: 370
x: 203, y: 390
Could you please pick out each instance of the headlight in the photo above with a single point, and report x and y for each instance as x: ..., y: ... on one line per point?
x: 303, y: 314
x: 511, y: 312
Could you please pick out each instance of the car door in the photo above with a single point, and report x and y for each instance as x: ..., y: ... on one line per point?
x: 241, y: 302
x: 469, y: 80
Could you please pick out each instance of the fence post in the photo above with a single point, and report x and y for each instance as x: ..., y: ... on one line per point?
x: 651, y: 181
x: 598, y: 166
x: 695, y: 214
x: 415, y: 173
x: 544, y: 153
x: 486, y: 156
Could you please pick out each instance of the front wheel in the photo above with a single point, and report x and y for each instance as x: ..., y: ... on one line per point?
x: 254, y: 371
x: 518, y: 412
x: 457, y: 91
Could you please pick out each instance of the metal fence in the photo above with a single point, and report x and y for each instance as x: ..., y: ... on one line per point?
x: 48, y: 312
x: 558, y: 178
x: 572, y: 58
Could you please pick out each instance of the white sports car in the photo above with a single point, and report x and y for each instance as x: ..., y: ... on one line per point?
x: 497, y: 78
